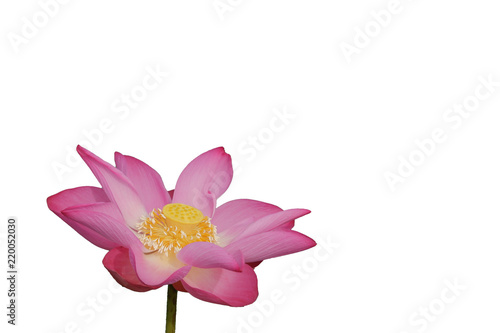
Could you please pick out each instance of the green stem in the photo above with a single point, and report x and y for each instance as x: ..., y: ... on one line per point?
x: 171, y: 309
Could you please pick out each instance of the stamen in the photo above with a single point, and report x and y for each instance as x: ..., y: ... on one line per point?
x: 176, y: 226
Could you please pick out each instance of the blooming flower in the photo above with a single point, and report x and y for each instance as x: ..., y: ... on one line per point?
x: 157, y: 237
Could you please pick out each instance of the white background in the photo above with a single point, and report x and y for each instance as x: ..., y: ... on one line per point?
x: 228, y: 74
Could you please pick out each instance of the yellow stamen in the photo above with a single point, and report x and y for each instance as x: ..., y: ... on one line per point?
x: 175, y: 226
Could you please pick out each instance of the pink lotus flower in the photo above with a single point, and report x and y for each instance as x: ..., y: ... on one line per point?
x: 157, y: 237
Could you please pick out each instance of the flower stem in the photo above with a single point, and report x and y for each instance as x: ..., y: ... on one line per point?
x: 171, y: 309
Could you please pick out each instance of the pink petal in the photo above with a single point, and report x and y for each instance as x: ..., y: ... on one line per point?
x: 156, y: 269
x: 107, y: 208
x: 254, y: 264
x: 270, y: 222
x: 221, y: 286
x: 204, y: 180
x: 287, y: 226
x: 207, y: 255
x: 271, y: 244
x: 117, y: 187
x: 146, y: 181
x: 80, y: 196
x: 152, y: 269
x: 94, y: 217
x: 238, y: 256
x: 235, y: 216
x: 117, y: 262
x: 178, y: 286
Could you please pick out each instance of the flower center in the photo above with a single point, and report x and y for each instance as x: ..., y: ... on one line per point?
x: 175, y: 226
